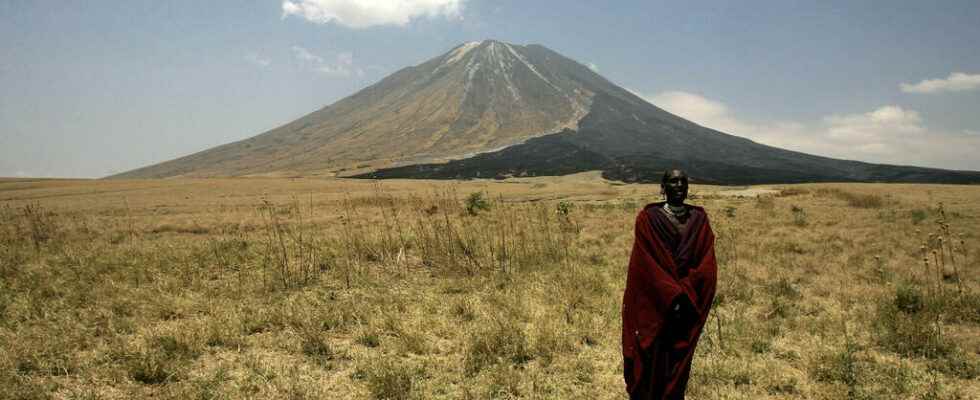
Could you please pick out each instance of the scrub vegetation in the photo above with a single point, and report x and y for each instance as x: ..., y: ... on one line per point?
x: 325, y: 288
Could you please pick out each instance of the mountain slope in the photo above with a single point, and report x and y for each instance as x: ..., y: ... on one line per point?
x: 636, y: 142
x: 476, y: 97
x: 491, y: 109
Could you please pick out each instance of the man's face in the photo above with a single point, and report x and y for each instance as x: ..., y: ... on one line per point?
x: 676, y: 187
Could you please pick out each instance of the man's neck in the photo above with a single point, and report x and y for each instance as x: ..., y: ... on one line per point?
x: 676, y: 210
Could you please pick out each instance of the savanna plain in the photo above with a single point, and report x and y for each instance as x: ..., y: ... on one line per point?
x: 334, y: 289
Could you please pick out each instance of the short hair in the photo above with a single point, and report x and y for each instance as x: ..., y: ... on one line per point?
x: 663, y: 180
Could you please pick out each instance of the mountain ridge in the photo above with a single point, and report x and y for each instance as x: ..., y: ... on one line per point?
x: 494, y: 109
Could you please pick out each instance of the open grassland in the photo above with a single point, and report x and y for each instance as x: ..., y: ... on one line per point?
x: 306, y: 288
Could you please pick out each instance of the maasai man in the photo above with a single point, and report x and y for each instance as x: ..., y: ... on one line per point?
x: 669, y: 288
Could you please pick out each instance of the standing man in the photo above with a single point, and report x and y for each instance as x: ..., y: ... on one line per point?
x: 669, y: 288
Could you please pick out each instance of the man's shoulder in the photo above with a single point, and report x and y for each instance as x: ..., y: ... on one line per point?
x: 697, y: 208
x: 653, y: 206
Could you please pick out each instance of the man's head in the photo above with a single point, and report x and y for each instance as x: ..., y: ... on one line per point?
x: 674, y: 186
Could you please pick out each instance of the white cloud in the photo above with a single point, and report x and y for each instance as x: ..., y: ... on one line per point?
x: 257, y: 60
x: 592, y: 66
x: 341, y: 65
x: 690, y: 106
x: 889, y: 134
x: 303, y: 54
x: 368, y: 13
x: 955, y: 82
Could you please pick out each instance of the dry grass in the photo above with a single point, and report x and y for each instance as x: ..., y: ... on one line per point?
x: 278, y: 288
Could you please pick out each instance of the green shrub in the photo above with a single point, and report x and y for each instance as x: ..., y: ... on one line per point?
x: 163, y: 361
x: 153, y: 369
x: 799, y: 215
x: 563, y: 208
x: 369, y: 339
x: 957, y: 363
x: 840, y: 366
x: 761, y: 346
x: 730, y: 211
x: 477, y: 202
x: 315, y: 347
x: 41, y: 224
x: 503, y: 342
x: 505, y: 383
x: 549, y: 341
x: 393, y: 380
x: 908, y: 299
x: 414, y: 342
x: 908, y: 324
x: 784, y: 387
x: 963, y: 308
x: 464, y: 310
x: 918, y: 215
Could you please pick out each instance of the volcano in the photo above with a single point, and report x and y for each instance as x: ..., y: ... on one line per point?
x: 494, y: 110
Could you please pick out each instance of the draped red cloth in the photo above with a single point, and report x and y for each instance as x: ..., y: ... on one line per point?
x: 669, y: 288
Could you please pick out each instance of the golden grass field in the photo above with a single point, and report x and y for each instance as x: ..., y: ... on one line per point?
x: 336, y: 289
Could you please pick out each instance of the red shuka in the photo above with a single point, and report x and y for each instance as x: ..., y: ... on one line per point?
x: 669, y: 288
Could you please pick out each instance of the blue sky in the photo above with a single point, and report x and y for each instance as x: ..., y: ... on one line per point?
x: 93, y: 88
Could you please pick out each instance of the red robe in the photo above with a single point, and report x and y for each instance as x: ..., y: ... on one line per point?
x: 669, y: 288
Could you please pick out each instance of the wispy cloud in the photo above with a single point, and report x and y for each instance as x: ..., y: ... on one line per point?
x: 955, y: 82
x: 340, y: 65
x: 888, y: 134
x: 592, y: 66
x: 367, y: 13
x: 305, y: 55
x: 257, y: 60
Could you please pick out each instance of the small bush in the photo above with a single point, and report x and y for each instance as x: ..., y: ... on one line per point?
x: 730, y: 211
x: 918, y: 215
x: 963, y: 308
x: 781, y: 308
x: 369, y: 339
x: 41, y: 224
x: 908, y: 299
x: 393, y: 380
x: 563, y: 208
x: 785, y: 387
x: 549, y: 342
x: 504, y: 342
x: 761, y: 346
x: 315, y: 347
x: 505, y: 383
x: 414, y: 342
x: 464, y: 310
x: 16, y: 387
x: 153, y: 369
x: 908, y: 332
x: 957, y: 363
x: 163, y: 361
x: 477, y: 202
x: 173, y: 348
x: 799, y: 215
x: 842, y: 367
